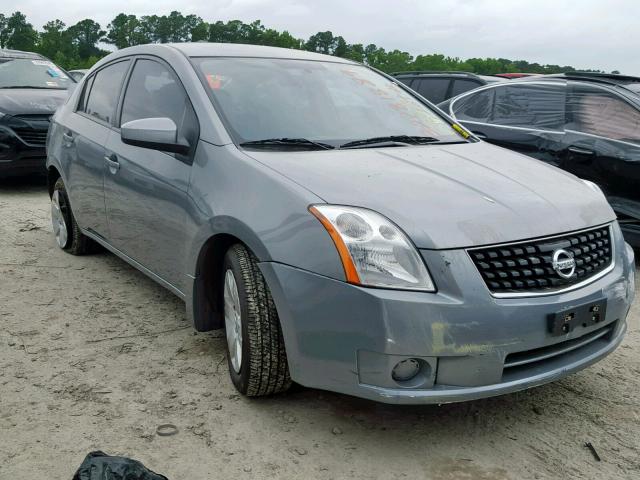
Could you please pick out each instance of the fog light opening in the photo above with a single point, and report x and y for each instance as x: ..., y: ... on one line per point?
x: 406, y: 370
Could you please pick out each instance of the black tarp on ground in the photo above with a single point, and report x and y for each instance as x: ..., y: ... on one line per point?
x: 100, y: 466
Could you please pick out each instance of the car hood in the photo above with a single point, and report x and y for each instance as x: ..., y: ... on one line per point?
x: 449, y: 196
x: 29, y: 101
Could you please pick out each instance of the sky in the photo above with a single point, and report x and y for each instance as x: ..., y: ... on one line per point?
x: 582, y: 33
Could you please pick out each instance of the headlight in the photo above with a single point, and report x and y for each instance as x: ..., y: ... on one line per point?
x: 374, y: 251
x: 593, y: 186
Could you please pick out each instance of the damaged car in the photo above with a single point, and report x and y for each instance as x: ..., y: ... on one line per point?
x: 585, y: 123
x: 31, y: 89
x: 343, y: 232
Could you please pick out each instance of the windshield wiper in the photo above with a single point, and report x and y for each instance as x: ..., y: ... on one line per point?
x: 287, y: 142
x: 34, y: 86
x: 390, y: 141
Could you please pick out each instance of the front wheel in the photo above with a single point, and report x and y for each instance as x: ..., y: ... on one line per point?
x: 256, y: 352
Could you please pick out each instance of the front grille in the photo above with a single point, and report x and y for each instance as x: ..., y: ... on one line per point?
x: 526, y: 267
x: 33, y: 137
x: 32, y: 129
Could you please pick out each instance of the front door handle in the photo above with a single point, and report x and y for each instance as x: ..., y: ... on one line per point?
x: 581, y: 151
x: 68, y: 138
x: 112, y: 163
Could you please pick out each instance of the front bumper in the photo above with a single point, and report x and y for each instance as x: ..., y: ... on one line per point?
x: 345, y: 338
x: 18, y: 157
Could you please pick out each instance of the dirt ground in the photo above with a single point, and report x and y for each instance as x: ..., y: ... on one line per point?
x: 94, y: 356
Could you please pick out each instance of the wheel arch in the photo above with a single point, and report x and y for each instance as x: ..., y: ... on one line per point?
x: 53, y: 174
x: 207, y: 292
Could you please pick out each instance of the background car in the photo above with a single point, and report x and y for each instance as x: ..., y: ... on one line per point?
x: 31, y: 89
x: 78, y: 74
x: 585, y: 123
x: 439, y: 86
x: 340, y: 228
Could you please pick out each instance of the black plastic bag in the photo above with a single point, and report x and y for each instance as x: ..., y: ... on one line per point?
x: 100, y: 466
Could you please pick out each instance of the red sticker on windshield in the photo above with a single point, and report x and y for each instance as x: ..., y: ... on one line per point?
x: 215, y: 82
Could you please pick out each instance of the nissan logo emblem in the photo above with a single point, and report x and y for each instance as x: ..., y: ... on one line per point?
x: 563, y: 263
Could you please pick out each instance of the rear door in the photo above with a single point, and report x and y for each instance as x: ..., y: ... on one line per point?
x: 84, y: 135
x: 603, y: 135
x: 145, y: 189
x: 526, y: 117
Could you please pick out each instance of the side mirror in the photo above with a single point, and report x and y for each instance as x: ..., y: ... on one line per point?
x: 153, y: 133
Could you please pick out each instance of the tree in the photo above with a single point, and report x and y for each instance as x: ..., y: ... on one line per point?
x: 55, y: 41
x: 85, y: 35
x: 20, y: 34
x: 126, y: 31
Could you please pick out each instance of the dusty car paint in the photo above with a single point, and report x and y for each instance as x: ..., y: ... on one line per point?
x: 167, y: 219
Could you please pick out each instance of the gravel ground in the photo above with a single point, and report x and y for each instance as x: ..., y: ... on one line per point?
x: 93, y: 355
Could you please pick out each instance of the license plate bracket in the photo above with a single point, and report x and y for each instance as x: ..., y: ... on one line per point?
x: 592, y: 313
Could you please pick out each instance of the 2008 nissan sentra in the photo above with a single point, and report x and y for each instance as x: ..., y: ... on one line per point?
x: 346, y: 234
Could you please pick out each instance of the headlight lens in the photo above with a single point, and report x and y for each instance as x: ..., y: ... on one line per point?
x: 374, y: 251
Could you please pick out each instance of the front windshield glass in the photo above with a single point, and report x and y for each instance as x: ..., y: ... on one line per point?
x: 28, y: 73
x: 332, y: 103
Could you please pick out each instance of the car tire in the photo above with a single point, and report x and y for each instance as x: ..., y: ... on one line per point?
x: 65, y: 228
x: 255, y: 346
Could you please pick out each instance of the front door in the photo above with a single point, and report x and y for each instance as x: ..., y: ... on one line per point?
x: 146, y: 189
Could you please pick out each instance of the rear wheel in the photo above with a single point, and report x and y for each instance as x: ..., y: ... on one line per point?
x: 256, y: 352
x: 67, y: 233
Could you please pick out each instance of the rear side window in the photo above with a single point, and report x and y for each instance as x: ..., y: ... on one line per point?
x: 154, y: 91
x: 530, y: 106
x: 598, y: 112
x: 82, y: 103
x: 475, y: 107
x: 103, y: 96
x: 433, y: 89
x: 461, y: 86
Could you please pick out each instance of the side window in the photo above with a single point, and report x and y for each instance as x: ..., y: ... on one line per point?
x: 530, y: 106
x: 598, y: 112
x: 461, y: 86
x: 154, y: 91
x: 405, y: 80
x: 105, y: 89
x: 433, y: 89
x: 82, y: 103
x: 475, y: 107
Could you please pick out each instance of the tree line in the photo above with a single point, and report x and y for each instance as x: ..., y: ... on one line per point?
x: 78, y: 45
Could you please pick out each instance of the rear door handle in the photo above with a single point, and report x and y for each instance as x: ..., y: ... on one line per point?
x: 112, y: 163
x: 581, y: 151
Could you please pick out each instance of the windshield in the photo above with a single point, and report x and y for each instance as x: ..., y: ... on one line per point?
x: 28, y: 73
x: 326, y: 102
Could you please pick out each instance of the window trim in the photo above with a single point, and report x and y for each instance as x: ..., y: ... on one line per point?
x: 92, y: 76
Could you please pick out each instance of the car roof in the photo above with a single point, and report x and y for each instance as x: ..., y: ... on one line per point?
x: 6, y: 53
x: 435, y: 73
x: 205, y: 49
x: 629, y: 83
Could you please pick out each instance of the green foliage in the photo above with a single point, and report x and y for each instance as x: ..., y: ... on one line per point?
x: 77, y: 45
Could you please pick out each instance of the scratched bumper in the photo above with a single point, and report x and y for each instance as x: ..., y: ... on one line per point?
x: 347, y: 339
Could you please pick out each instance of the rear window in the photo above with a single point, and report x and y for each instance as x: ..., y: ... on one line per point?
x: 595, y: 111
x: 32, y: 73
x: 530, y: 106
x: 433, y: 89
x: 475, y: 107
x: 461, y: 86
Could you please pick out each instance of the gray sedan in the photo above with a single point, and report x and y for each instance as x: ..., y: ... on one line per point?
x: 346, y: 234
